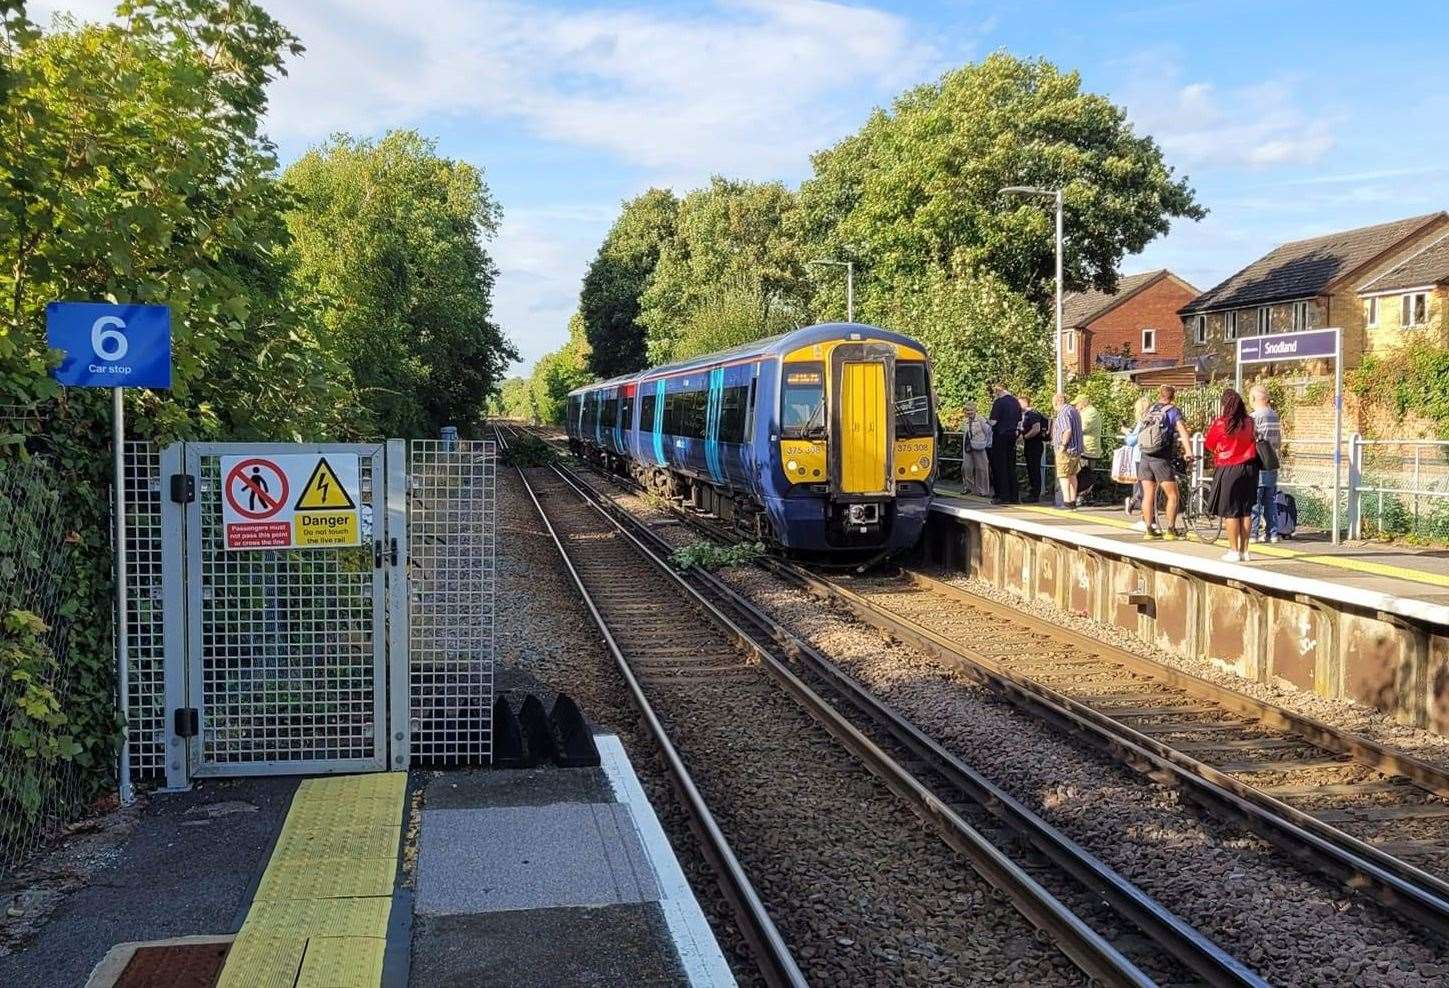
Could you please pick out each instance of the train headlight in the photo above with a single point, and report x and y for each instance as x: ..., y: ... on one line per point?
x: 792, y: 466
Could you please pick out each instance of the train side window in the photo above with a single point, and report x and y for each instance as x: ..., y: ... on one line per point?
x: 646, y: 413
x: 732, y: 414
x: 671, y: 414
x: 750, y: 411
x: 626, y: 412
x: 913, y: 400
x: 610, y: 417
x: 802, y: 401
x: 695, y: 407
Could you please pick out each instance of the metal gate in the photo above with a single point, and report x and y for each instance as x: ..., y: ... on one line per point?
x: 324, y: 659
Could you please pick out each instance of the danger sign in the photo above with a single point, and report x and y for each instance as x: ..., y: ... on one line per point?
x: 291, y: 501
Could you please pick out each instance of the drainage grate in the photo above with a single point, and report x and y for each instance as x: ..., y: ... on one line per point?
x: 180, y: 965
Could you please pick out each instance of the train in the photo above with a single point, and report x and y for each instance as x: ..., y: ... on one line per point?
x: 818, y: 441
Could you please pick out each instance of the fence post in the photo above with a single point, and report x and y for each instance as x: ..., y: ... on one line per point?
x: 1355, y: 481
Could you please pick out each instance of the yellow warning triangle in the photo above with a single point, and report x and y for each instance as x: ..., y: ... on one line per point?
x: 324, y: 492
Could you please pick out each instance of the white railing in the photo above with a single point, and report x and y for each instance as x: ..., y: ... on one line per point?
x: 1413, y: 467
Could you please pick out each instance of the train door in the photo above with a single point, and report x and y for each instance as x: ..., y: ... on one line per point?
x: 861, y: 424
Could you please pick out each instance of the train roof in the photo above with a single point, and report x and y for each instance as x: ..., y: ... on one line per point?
x: 769, y: 346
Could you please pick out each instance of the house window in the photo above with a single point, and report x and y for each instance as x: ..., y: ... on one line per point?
x: 1264, y: 320
x: 1414, y: 309
x: 1300, y: 315
x: 1230, y: 325
x: 1149, y: 341
x: 1200, y: 330
x: 1371, y: 311
x: 1071, y: 342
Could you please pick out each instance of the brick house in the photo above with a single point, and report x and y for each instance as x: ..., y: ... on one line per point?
x: 1410, y: 299
x: 1308, y: 284
x: 1135, y: 326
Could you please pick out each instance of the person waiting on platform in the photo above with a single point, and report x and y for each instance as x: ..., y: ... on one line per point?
x: 1091, y: 444
x: 1067, y: 448
x: 1034, y: 429
x: 1130, y: 441
x: 975, y: 442
x: 1005, y: 425
x: 1232, y: 440
x: 1270, y: 431
x: 1162, y: 432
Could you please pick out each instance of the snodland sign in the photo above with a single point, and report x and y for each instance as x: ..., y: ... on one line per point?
x: 291, y: 501
x: 1303, y: 345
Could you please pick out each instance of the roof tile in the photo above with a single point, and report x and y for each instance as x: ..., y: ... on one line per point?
x: 1429, y: 266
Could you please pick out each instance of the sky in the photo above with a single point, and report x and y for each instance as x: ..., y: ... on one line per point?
x: 1289, y: 119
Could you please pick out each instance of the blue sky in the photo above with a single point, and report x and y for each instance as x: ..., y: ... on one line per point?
x: 1290, y: 118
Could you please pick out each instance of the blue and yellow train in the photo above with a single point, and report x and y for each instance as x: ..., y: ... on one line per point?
x: 820, y: 440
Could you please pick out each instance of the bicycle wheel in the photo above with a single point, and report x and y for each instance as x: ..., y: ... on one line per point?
x: 1208, y: 527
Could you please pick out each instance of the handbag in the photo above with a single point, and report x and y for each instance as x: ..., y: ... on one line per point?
x: 1267, y: 455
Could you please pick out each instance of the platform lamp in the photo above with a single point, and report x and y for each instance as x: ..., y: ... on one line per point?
x: 849, y: 267
x: 1056, y: 195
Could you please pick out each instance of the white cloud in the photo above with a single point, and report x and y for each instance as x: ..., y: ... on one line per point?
x: 1198, y: 124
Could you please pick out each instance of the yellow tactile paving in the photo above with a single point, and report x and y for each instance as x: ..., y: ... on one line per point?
x: 1278, y: 551
x: 319, y: 918
x: 341, y: 962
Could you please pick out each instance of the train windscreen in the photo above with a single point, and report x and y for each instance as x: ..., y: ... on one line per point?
x: 912, y: 401
x: 802, y: 402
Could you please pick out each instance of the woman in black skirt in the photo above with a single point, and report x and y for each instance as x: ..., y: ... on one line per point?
x: 1235, y: 475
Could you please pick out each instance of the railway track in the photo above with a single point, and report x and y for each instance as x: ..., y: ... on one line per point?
x: 738, y: 640
x: 1371, y: 818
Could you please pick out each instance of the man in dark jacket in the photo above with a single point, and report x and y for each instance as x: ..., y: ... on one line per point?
x: 1005, y: 424
x: 1034, y: 432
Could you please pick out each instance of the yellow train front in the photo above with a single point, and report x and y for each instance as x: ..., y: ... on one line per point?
x: 820, y: 440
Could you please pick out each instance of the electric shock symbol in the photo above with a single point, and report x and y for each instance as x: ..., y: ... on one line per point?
x: 324, y: 491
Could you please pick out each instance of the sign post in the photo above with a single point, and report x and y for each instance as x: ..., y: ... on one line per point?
x: 116, y: 347
x: 1308, y: 344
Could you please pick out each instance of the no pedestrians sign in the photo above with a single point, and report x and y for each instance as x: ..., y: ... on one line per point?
x: 291, y: 501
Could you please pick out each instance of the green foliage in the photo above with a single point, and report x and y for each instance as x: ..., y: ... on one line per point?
x: 976, y: 330
x: 525, y: 450
x: 617, y: 277
x: 918, y: 188
x: 558, y: 373
x: 1413, y: 377
x: 512, y: 400
x: 713, y: 556
x: 732, y: 243
x: 390, y: 235
x: 735, y: 312
x: 33, y: 727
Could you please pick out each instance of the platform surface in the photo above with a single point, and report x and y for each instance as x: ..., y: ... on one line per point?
x: 1400, y: 579
x: 554, y: 876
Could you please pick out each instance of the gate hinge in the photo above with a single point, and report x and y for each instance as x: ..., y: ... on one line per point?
x: 183, y: 488
x: 377, y: 553
x: 188, y: 722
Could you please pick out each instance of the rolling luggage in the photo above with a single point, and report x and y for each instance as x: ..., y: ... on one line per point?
x: 1287, y: 509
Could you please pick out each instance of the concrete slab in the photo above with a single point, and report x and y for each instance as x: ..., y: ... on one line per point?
x: 530, y: 857
x: 517, y: 787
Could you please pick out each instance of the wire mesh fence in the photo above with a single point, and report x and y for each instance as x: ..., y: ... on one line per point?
x: 145, y: 644
x: 39, y: 784
x: 451, y: 526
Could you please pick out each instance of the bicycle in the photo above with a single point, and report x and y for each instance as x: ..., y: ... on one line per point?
x: 1192, y: 494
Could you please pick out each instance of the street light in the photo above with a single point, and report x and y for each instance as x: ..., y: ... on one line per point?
x: 849, y: 267
x: 1056, y: 195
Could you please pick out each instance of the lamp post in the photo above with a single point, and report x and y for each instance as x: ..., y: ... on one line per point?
x: 1056, y: 195
x: 849, y: 267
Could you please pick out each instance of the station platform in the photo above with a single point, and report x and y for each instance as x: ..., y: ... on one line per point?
x: 1364, y: 621
x: 554, y: 876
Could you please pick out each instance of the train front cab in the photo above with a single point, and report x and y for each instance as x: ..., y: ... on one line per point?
x: 856, y: 446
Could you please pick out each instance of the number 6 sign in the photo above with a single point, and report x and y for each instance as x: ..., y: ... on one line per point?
x: 111, y: 346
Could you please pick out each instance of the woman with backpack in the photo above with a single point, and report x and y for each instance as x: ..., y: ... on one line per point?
x: 1232, y: 440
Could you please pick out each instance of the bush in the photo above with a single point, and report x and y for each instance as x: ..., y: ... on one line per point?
x: 713, y: 556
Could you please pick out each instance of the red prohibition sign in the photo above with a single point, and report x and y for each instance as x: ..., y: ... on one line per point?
x: 272, y: 501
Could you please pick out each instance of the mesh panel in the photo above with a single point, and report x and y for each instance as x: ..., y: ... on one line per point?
x: 144, y: 612
x: 287, y: 659
x: 451, y: 545
x: 38, y: 793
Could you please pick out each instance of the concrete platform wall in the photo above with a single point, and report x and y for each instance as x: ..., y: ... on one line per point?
x: 1386, y: 661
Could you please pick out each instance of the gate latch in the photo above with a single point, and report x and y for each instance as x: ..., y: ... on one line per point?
x: 183, y: 488
x: 188, y: 722
x: 377, y: 554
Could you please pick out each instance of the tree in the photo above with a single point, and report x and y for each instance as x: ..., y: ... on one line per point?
x: 512, y: 400
x: 733, y: 234
x: 391, y: 235
x: 618, y: 275
x: 918, y: 187
x: 558, y: 373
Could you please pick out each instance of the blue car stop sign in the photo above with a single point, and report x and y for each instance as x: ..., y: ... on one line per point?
x: 111, y: 346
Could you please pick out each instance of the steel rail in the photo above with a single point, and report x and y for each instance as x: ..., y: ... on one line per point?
x: 1359, y: 866
x: 1196, y: 952
x: 772, y: 955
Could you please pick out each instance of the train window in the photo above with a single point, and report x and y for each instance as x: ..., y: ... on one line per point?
x: 802, y: 401
x: 646, y: 413
x: 694, y: 406
x: 610, y: 417
x: 913, y: 400
x: 626, y: 413
x: 732, y: 414
x: 671, y: 414
x: 750, y: 411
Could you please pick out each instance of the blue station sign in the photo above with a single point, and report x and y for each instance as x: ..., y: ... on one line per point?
x: 111, y: 346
